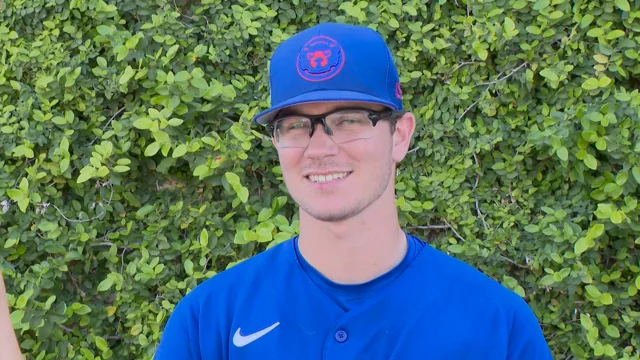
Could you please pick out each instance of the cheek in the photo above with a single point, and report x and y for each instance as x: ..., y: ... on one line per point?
x: 290, y: 162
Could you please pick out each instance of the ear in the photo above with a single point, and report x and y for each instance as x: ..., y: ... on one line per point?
x: 405, y: 126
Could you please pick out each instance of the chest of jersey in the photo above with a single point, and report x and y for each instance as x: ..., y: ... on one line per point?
x: 375, y: 335
x: 306, y: 324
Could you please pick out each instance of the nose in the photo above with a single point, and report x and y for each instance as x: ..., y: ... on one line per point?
x: 321, y: 144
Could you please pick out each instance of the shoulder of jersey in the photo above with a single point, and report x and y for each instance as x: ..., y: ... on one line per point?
x: 468, y: 280
x: 256, y: 268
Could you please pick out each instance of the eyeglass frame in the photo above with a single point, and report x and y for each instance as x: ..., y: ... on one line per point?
x: 374, y: 116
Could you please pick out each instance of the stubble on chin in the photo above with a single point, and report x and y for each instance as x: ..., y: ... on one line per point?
x: 343, y: 210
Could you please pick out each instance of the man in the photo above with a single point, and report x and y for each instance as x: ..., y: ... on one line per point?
x: 353, y: 284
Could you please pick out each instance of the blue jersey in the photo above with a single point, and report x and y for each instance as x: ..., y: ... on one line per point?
x: 276, y: 306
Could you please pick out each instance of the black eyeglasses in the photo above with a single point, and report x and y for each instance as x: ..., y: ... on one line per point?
x: 344, y: 124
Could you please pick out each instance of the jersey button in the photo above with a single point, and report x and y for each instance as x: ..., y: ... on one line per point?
x: 341, y: 336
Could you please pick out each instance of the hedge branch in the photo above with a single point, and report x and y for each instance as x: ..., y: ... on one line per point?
x: 87, y: 220
x: 429, y: 227
x: 513, y: 71
x: 513, y: 262
x: 107, y: 125
x: 469, y: 108
x: 463, y: 64
x: 481, y: 216
x: 446, y: 226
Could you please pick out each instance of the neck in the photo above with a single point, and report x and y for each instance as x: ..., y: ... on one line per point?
x: 358, y: 249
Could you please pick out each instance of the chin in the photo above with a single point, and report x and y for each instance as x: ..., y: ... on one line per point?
x: 331, y: 208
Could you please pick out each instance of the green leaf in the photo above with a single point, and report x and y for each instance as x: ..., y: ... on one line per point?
x: 519, y: 4
x: 204, y: 238
x: 101, y: 344
x: 199, y: 83
x: 549, y: 74
x: 589, y: 135
x: 614, y: 34
x: 604, y: 211
x: 136, y: 329
x: 586, y: 20
x: 602, y: 59
x: 161, y: 137
x: 638, y: 282
x: 104, y: 30
x: 622, y: 96
x: 612, y: 331
x: 593, y: 291
x: 152, y: 149
x: 23, y: 204
x: 609, y: 350
x: 47, y: 226
x: 179, y: 151
x: 591, y: 162
x: 143, y: 123
x: 64, y: 164
x: 127, y: 75
x: 531, y: 228
x: 533, y: 30
x: 243, y: 194
x: 606, y: 299
x: 595, y: 32
x: 562, y: 153
x: 586, y: 322
x: 86, y: 173
x: 616, y: 217
x: 623, y: 5
x: 480, y: 50
x: 604, y: 81
x: 144, y: 211
x: 581, y: 246
x: 188, y: 267
x: 16, y: 195
x: 636, y: 174
x: 595, y: 231
x: 541, y: 4
x: 16, y: 317
x: 509, y: 27
x: 182, y: 76
x: 106, y: 284
x: 175, y: 122
x: 232, y: 179
x: 591, y: 84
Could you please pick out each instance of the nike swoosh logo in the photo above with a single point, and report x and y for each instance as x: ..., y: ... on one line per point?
x: 240, y: 340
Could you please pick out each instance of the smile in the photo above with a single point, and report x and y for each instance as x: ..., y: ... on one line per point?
x: 327, y: 177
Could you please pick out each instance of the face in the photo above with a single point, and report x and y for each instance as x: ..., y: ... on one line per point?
x: 334, y: 182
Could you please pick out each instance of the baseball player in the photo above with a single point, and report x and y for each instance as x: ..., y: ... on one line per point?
x: 352, y: 284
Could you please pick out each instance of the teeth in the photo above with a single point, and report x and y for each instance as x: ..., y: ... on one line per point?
x: 325, y: 178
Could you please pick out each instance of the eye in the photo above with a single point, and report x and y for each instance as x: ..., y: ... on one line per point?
x: 350, y: 118
x: 292, y: 124
x: 296, y: 125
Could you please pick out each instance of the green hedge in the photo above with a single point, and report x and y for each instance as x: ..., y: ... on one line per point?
x: 130, y: 171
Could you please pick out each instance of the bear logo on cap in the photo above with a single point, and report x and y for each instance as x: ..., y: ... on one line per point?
x: 321, y: 58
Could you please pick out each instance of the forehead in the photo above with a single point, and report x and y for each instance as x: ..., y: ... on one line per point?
x: 325, y: 106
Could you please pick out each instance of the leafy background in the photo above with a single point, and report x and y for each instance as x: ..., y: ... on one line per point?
x: 130, y: 170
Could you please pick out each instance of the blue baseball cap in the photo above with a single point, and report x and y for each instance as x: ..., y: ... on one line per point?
x: 332, y: 62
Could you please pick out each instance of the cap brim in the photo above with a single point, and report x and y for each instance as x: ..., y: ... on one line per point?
x: 267, y: 116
